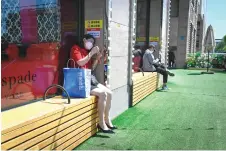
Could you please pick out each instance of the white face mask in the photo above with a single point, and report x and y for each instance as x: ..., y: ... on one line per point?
x: 88, y: 45
x: 151, y: 50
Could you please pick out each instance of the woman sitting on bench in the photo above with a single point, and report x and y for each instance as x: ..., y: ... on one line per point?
x: 82, y: 55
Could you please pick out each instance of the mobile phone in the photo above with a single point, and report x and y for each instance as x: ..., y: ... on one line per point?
x: 97, y: 48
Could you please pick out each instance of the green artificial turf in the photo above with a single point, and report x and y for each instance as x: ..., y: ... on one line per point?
x: 192, y: 115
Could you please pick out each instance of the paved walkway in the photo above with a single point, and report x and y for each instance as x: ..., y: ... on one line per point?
x: 192, y: 115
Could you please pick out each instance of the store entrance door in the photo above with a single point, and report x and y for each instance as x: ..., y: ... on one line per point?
x: 72, y: 18
x: 72, y: 29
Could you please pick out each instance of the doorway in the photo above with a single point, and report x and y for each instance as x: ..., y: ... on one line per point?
x: 72, y: 29
x: 72, y: 18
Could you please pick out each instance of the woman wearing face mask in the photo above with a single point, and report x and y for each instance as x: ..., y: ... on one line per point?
x: 150, y: 64
x: 82, y: 56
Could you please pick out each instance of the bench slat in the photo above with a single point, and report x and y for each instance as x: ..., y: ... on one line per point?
x: 144, y: 81
x: 139, y: 85
x: 149, y: 86
x: 27, y: 128
x: 82, y: 139
x: 138, y: 89
x: 45, y: 128
x: 140, y: 79
x: 89, y: 131
x: 17, y: 117
x: 140, y: 74
x: 145, y: 93
x: 143, y: 96
x: 67, y: 137
x: 56, y: 133
x: 143, y: 85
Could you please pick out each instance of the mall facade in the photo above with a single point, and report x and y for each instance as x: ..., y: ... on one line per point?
x: 33, y: 37
x: 187, y: 29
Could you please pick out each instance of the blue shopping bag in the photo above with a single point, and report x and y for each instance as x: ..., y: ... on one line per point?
x: 77, y: 82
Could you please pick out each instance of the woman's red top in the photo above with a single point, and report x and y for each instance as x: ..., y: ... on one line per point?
x: 77, y: 54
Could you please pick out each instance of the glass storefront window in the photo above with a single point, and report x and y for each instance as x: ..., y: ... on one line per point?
x: 31, y: 33
x: 141, y: 22
x: 141, y: 33
x: 10, y: 21
x: 48, y: 18
x: 30, y: 21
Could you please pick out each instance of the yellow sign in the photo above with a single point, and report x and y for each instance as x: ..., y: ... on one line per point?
x: 156, y: 39
x: 69, y: 26
x: 94, y: 24
x: 141, y: 39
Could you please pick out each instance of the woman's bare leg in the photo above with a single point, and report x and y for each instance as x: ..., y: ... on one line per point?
x: 108, y: 103
x: 102, y: 97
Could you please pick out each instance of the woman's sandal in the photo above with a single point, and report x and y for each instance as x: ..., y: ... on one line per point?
x: 113, y: 128
x: 105, y: 131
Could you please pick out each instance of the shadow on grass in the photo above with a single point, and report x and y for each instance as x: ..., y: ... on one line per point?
x: 195, y: 73
x: 222, y: 72
x: 101, y: 136
x: 219, y: 72
x: 160, y: 90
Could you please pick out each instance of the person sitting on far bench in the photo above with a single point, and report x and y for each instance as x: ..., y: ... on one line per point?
x: 150, y: 64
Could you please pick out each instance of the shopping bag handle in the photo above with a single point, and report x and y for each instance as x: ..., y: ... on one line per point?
x: 72, y: 60
x: 58, y: 86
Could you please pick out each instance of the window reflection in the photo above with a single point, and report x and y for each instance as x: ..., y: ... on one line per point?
x: 141, y: 22
x: 26, y: 22
x: 30, y: 21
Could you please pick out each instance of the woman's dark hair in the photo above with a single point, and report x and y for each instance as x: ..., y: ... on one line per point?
x: 87, y: 36
x: 137, y: 47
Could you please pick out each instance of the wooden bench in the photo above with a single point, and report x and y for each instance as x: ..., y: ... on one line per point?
x: 143, y: 84
x: 49, y: 125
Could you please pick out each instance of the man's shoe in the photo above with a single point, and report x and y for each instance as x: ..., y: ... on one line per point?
x: 171, y: 74
x: 165, y: 88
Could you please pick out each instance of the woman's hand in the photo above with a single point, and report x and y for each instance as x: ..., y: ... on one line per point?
x: 94, y: 50
x: 96, y: 60
x: 99, y: 55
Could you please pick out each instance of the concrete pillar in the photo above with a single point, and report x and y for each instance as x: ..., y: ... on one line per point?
x: 194, y: 46
x: 167, y: 32
x: 155, y: 22
x: 95, y: 11
x: 119, y: 44
x: 201, y: 35
x: 183, y: 35
x: 119, y: 47
x: 173, y: 34
x: 192, y: 39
